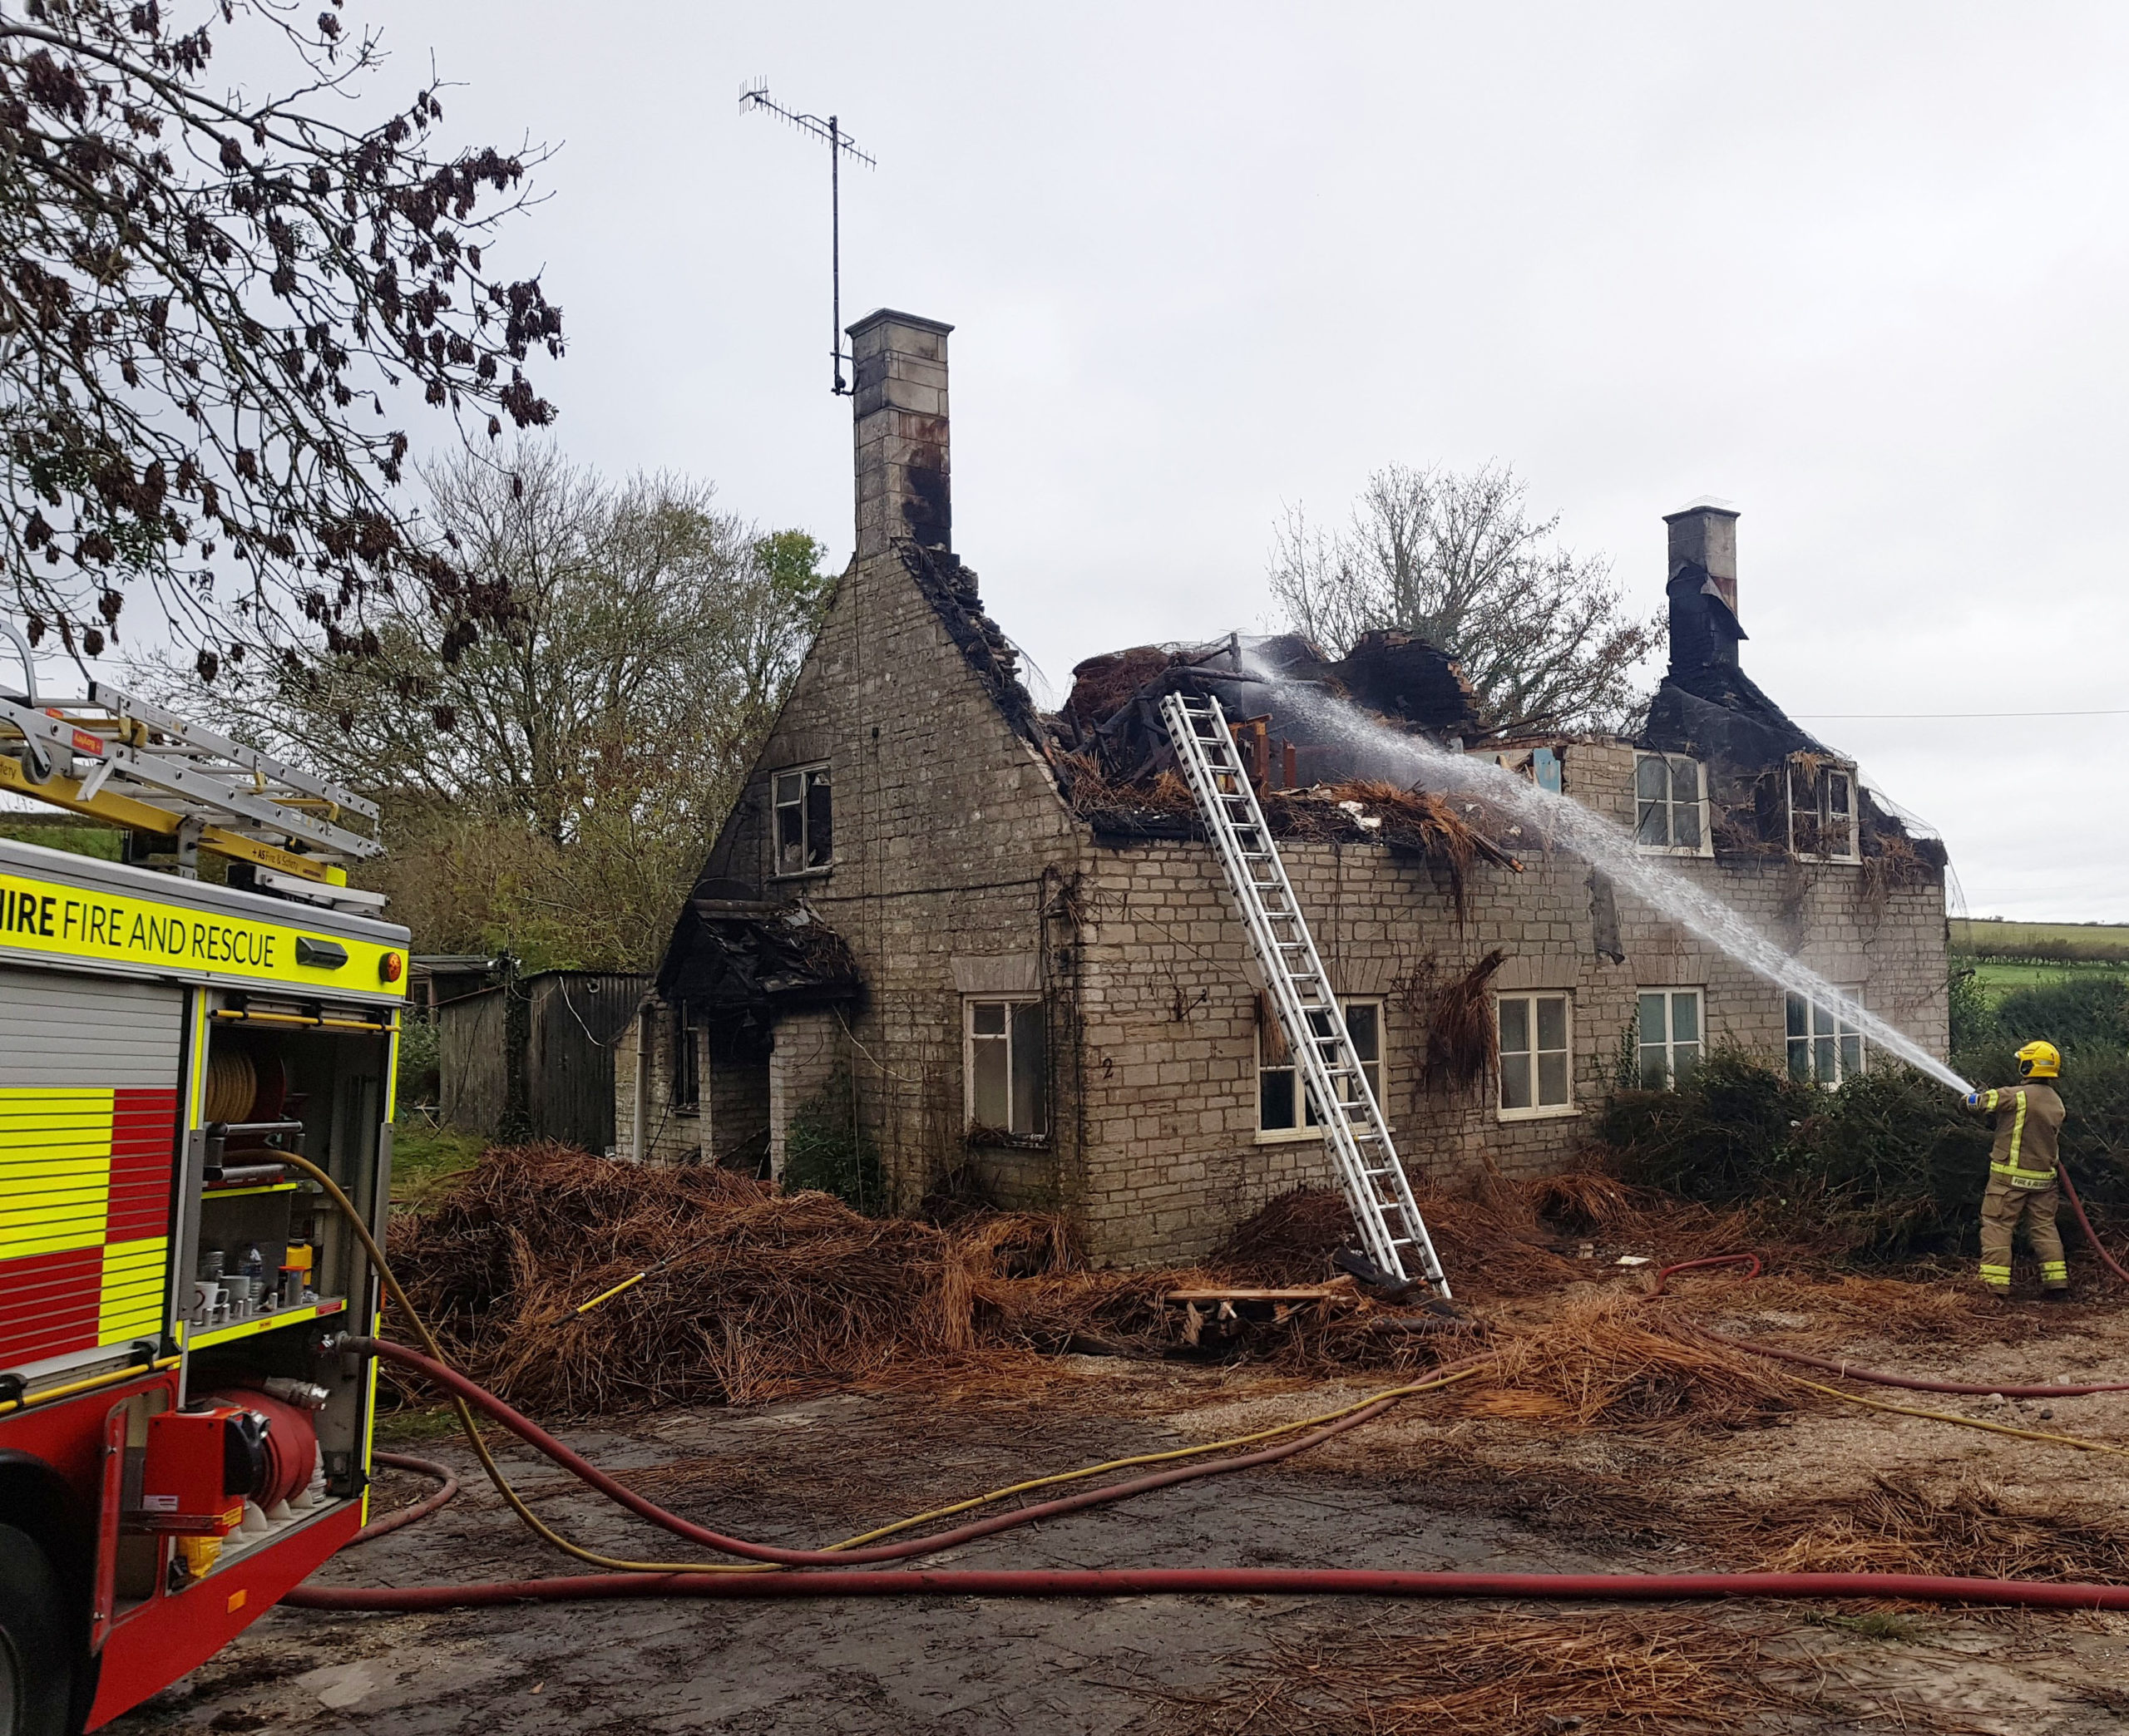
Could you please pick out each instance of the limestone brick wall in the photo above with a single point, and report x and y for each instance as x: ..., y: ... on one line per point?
x: 1174, y: 1158
x: 806, y: 1057
x: 950, y: 843
x: 673, y: 1133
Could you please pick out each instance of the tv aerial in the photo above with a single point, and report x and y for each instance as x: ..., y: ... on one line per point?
x: 840, y: 144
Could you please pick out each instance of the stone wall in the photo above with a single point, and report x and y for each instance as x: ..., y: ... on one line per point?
x: 1173, y: 1156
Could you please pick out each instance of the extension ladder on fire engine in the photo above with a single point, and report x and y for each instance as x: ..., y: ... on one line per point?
x: 1392, y: 1233
x: 117, y: 757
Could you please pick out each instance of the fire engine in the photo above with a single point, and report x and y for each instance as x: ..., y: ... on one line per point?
x: 181, y: 1438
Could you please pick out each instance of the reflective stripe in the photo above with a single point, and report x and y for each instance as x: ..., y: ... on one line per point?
x: 1996, y: 1271
x: 1988, y: 1099
x: 2017, y: 1129
x: 2055, y: 1269
x: 2023, y: 1177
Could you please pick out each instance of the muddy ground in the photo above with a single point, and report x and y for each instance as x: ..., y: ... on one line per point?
x: 1435, y: 1485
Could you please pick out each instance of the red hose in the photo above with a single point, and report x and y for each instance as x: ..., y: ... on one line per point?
x: 2085, y: 1224
x: 421, y: 1509
x: 1184, y: 1582
x: 583, y: 1468
x: 1663, y: 1277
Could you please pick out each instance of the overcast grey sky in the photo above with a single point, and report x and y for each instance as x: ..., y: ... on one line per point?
x: 1858, y: 269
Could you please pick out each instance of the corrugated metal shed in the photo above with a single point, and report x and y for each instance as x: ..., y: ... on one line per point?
x: 533, y: 1059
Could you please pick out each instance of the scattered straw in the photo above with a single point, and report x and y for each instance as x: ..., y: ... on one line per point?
x: 1965, y: 1527
x: 1642, y: 1670
x: 1607, y: 1360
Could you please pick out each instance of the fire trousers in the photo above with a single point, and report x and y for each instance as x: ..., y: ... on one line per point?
x: 2001, y: 1208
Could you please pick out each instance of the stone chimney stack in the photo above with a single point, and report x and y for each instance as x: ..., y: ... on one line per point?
x: 900, y: 408
x: 1702, y: 585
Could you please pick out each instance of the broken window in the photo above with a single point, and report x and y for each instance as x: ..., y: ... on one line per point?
x: 687, y: 1061
x: 1822, y: 810
x: 1280, y: 1094
x: 1540, y: 765
x: 1668, y: 1036
x: 805, y: 832
x: 1670, y: 802
x: 1007, y: 1067
x: 1824, y: 1047
x: 1536, y: 1069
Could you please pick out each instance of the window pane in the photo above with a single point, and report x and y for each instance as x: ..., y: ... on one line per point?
x: 1652, y: 799
x: 1364, y: 1025
x: 1838, y: 795
x: 1552, y: 1079
x: 820, y: 825
x: 790, y: 840
x: 1651, y: 1019
x: 1824, y: 1064
x: 1851, y: 1057
x: 1684, y: 1058
x: 1800, y: 1058
x: 1275, y: 1098
x: 1685, y: 1016
x: 788, y: 787
x: 1685, y: 799
x: 1653, y: 1073
x: 987, y: 1018
x: 1373, y: 1071
x: 990, y: 1095
x: 1515, y: 1024
x: 1030, y: 1069
x: 1515, y: 1080
x: 1552, y: 1022
x: 1800, y: 1017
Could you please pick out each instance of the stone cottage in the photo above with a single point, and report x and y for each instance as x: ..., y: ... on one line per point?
x: 992, y: 945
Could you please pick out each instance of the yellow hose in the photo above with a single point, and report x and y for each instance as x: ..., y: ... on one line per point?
x: 540, y: 1529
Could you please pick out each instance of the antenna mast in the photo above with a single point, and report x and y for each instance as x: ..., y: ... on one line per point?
x: 839, y: 142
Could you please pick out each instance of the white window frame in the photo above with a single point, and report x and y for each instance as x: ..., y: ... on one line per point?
x: 1671, y: 762
x: 1535, y: 1110
x: 777, y: 783
x: 1306, y: 1126
x: 1824, y: 1024
x: 970, y: 1040
x: 1668, y: 1048
x: 1822, y: 783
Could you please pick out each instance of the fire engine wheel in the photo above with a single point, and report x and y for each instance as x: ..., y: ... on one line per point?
x: 37, y: 1673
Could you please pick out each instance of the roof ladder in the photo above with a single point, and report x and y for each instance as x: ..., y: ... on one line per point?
x: 1393, y: 1234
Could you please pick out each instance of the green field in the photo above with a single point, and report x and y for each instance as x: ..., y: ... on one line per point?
x: 2080, y: 942
x: 1998, y: 977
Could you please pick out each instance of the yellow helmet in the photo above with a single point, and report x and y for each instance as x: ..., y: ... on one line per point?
x: 2039, y: 1060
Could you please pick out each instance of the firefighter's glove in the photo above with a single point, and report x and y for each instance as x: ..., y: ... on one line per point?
x: 1974, y: 1100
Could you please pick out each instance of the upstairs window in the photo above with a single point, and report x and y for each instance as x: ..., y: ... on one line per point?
x: 1280, y: 1107
x: 1536, y: 1056
x: 1006, y: 1063
x: 1668, y: 1037
x: 1824, y: 1047
x: 1822, y: 811
x: 1670, y: 792
x: 804, y: 821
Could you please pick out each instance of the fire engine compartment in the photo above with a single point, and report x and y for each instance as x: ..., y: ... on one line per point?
x: 280, y: 1076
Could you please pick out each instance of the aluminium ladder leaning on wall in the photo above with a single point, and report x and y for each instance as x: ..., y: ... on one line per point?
x: 1392, y: 1233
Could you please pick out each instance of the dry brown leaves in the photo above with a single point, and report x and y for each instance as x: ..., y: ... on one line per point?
x: 1642, y: 1670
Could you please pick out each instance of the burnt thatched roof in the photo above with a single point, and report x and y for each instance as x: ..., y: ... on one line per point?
x: 728, y: 958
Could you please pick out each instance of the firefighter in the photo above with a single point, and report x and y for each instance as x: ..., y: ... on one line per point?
x: 2022, y: 1181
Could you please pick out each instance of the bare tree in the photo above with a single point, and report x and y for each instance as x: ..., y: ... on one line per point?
x: 1457, y: 561
x: 214, y: 303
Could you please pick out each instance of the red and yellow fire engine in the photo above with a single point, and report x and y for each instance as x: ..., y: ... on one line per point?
x: 181, y: 1439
